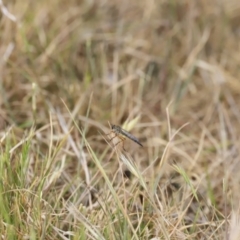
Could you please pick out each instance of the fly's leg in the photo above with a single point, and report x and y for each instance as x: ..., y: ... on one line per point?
x: 109, y: 133
x: 122, y: 143
x: 112, y: 138
x: 123, y: 146
x: 116, y: 135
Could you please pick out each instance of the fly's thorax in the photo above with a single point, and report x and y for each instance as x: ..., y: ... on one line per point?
x: 116, y: 129
x: 123, y: 134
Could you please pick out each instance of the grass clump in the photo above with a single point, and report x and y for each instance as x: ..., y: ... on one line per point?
x: 167, y: 71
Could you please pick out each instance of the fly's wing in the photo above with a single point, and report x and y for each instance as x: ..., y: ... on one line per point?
x: 130, y: 136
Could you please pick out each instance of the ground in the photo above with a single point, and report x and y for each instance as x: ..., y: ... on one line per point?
x: 165, y: 71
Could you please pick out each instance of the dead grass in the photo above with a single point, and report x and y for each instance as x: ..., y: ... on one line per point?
x: 167, y: 69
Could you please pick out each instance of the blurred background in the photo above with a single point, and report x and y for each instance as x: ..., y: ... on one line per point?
x: 171, y: 67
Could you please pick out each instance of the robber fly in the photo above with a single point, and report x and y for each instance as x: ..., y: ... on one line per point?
x: 121, y: 133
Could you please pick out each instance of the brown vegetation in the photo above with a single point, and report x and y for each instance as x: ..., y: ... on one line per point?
x: 166, y: 71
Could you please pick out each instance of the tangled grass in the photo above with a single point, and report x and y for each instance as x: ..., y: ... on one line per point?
x: 167, y: 71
